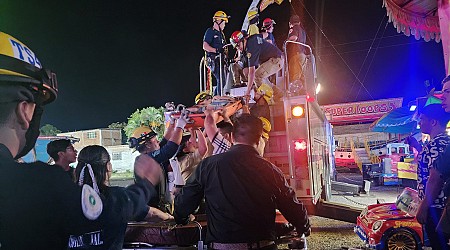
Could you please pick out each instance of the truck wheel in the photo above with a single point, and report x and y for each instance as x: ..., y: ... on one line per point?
x: 401, y: 240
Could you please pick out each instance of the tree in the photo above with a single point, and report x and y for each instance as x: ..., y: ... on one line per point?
x: 150, y: 116
x: 119, y: 125
x: 49, y: 130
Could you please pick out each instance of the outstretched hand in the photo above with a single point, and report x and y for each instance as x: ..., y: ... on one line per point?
x: 183, y: 120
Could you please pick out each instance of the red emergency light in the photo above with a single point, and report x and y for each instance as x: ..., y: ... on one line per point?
x: 300, y: 152
x: 299, y: 145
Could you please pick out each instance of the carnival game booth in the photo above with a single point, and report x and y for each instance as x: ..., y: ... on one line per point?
x: 168, y: 235
x: 398, y: 162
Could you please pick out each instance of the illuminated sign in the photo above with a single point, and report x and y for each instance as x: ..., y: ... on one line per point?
x: 357, y: 111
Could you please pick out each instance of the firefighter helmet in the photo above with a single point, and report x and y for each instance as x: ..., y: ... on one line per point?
x: 237, y: 37
x: 204, y: 95
x: 19, y: 65
x: 267, y: 91
x: 251, y: 14
x: 140, y: 136
x: 267, y: 127
x: 220, y: 15
x: 268, y: 22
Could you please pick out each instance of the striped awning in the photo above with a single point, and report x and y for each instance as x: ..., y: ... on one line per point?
x: 415, y: 17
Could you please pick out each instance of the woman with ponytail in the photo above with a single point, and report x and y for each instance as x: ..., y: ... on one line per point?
x: 94, y: 169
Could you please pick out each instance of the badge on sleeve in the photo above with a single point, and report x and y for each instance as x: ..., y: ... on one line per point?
x: 91, y: 203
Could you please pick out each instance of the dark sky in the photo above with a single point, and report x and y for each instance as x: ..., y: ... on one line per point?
x: 113, y: 57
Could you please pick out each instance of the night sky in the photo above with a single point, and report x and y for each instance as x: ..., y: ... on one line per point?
x: 113, y: 57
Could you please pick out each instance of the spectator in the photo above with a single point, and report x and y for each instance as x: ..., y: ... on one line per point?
x: 433, y: 121
x: 47, y: 201
x: 442, y: 174
x: 94, y: 169
x: 63, y: 153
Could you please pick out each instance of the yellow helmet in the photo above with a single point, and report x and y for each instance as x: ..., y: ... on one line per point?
x: 252, y: 14
x: 200, y: 97
x: 267, y: 127
x: 140, y: 135
x: 267, y: 92
x: 19, y: 65
x: 220, y: 15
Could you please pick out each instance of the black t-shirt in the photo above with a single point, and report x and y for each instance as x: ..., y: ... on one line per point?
x: 110, y: 235
x: 259, y: 50
x: 300, y: 33
x: 242, y: 191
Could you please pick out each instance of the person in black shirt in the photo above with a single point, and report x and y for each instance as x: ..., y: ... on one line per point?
x: 295, y: 53
x: 94, y: 169
x: 63, y: 154
x: 242, y: 191
x: 40, y: 204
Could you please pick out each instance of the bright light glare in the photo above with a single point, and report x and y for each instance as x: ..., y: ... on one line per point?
x: 412, y: 108
x: 300, y: 145
x: 318, y: 88
x: 297, y: 111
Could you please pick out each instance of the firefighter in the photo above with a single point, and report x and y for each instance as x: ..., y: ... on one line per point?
x: 145, y: 141
x: 267, y: 30
x: 40, y: 204
x: 253, y: 21
x: 214, y: 47
x: 260, y: 53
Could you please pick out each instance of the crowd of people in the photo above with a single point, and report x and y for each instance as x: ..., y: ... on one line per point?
x: 58, y: 207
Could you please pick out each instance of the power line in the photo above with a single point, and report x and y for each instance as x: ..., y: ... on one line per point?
x: 326, y: 37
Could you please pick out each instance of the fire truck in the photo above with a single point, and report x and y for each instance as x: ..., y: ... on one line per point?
x: 301, y: 141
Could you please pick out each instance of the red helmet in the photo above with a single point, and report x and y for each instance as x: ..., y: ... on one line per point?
x: 237, y: 37
x: 268, y: 22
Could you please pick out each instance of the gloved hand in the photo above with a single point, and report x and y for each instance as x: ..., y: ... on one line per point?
x: 183, y: 120
x: 220, y: 50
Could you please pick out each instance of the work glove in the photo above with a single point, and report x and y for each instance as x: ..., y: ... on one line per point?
x: 183, y: 120
x: 219, y: 50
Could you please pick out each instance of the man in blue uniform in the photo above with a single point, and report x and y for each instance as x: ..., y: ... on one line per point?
x: 40, y: 204
x: 262, y: 54
x: 242, y: 191
x: 213, y: 45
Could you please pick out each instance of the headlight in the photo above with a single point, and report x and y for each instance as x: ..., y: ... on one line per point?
x: 377, y: 225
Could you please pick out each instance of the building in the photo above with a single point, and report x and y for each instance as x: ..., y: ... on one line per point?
x: 122, y: 157
x: 102, y: 136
